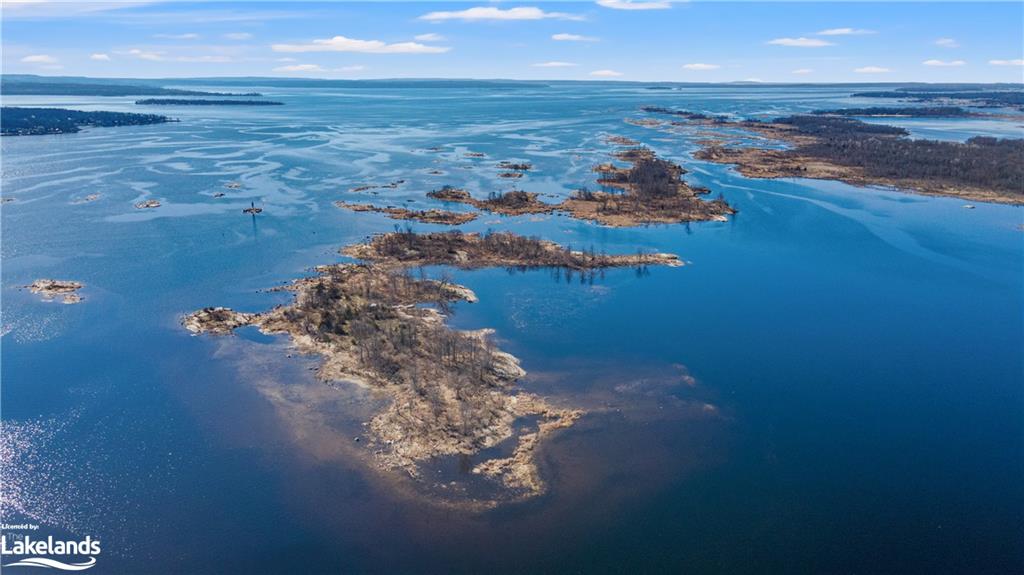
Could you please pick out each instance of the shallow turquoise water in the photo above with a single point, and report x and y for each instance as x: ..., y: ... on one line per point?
x: 834, y: 383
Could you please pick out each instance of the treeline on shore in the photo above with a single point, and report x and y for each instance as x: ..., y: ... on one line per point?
x: 988, y: 98
x: 885, y: 152
x: 38, y: 121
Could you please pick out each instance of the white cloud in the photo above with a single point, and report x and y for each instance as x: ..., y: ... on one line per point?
x: 146, y: 55
x: 154, y: 56
x: 39, y: 59
x: 100, y: 57
x: 633, y: 5
x: 1006, y: 62
x: 700, y: 66
x: 188, y: 36
x: 238, y: 35
x: 947, y: 43
x: 800, y: 42
x: 941, y: 63
x: 431, y: 37
x: 299, y: 68
x: 871, y: 70
x: 45, y: 9
x: 844, y: 32
x: 564, y: 37
x: 482, y: 13
x: 606, y: 73
x: 554, y: 65
x: 802, y: 71
x: 355, y: 68
x: 343, y: 44
x: 214, y: 59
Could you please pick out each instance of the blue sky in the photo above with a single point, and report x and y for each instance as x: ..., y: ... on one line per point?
x: 646, y: 40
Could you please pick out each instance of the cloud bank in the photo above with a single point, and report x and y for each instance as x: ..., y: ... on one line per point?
x: 491, y: 13
x: 343, y: 44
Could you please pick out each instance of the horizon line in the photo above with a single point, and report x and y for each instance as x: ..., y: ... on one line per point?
x: 532, y: 80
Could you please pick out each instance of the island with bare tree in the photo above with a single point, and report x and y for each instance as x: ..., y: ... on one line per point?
x: 511, y: 203
x: 376, y: 324
x: 650, y: 191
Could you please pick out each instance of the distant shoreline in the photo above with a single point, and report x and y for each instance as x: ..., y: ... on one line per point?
x: 201, y: 102
x: 18, y: 121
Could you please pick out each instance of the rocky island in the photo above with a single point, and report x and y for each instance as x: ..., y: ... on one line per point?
x: 432, y: 216
x: 499, y: 249
x: 51, y: 289
x: 511, y: 203
x: 450, y: 392
x: 650, y: 191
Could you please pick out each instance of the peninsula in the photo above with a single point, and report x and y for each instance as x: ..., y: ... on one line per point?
x: 451, y: 392
x: 902, y: 112
x: 42, y: 121
x: 836, y: 147
x: 979, y: 98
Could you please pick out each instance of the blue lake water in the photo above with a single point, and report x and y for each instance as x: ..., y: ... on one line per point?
x: 832, y: 385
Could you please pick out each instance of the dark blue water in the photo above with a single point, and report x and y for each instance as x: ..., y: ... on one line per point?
x: 833, y: 385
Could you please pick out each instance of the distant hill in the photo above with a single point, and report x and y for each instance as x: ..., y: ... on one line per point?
x: 155, y: 87
x: 24, y: 85
x: 204, y: 102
